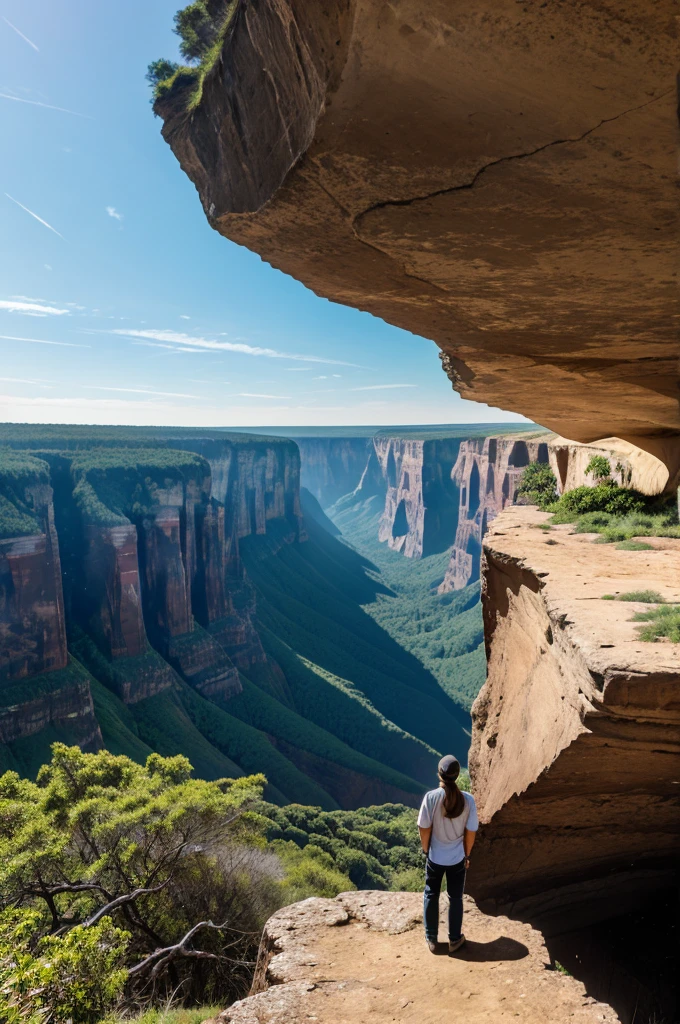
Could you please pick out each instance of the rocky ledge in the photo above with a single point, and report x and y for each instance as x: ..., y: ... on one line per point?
x: 576, y: 732
x: 362, y: 957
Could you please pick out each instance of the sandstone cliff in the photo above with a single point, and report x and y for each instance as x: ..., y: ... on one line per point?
x: 497, y: 179
x: 577, y: 729
x: 487, y: 473
x: 421, y: 502
x: 169, y: 622
x: 32, y: 629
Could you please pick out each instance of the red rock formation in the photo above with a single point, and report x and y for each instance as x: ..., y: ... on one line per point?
x: 421, y: 500
x: 114, y: 595
x: 32, y: 631
x: 577, y: 729
x: 487, y: 472
x: 66, y: 708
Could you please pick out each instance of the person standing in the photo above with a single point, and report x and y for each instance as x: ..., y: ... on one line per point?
x: 447, y: 823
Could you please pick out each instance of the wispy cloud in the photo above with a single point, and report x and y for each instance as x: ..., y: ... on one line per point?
x: 250, y: 394
x: 47, y: 106
x: 40, y: 219
x: 41, y: 341
x: 113, y: 212
x: 24, y: 380
x: 297, y: 369
x: 173, y: 348
x: 15, y: 306
x: 383, y: 387
x: 196, y: 380
x: 47, y: 266
x: 209, y: 344
x: 139, y: 391
x: 25, y: 38
x: 183, y: 316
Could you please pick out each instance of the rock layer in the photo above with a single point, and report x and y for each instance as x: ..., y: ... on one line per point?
x: 577, y: 729
x: 362, y: 957
x: 499, y: 180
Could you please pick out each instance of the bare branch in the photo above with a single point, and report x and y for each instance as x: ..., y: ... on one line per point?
x: 179, y: 949
x: 121, y: 901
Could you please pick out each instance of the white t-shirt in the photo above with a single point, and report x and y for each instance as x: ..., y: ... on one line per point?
x: 446, y: 844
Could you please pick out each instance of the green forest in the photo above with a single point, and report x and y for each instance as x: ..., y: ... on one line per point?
x: 443, y: 631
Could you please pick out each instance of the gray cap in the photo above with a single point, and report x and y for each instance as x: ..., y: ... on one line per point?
x: 449, y: 766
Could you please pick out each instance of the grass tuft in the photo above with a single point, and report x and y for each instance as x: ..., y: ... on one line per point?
x: 634, y: 545
x: 663, y: 622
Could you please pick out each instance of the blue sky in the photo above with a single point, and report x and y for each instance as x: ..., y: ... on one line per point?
x: 118, y: 303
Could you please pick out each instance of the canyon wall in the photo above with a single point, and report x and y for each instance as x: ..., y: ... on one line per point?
x: 149, y: 539
x: 331, y: 467
x: 421, y: 501
x: 577, y: 729
x: 487, y: 473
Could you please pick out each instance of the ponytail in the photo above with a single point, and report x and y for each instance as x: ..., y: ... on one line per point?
x: 453, y: 803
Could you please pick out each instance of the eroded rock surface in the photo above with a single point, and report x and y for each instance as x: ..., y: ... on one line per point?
x: 577, y: 730
x: 362, y: 957
x: 498, y: 178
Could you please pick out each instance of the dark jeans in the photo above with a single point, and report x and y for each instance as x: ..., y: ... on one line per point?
x: 455, y: 883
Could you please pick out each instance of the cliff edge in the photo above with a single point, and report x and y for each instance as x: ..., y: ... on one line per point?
x: 362, y: 957
x: 576, y: 731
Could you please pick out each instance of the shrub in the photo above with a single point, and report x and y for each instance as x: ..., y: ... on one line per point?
x: 105, y: 854
x: 662, y: 622
x: 604, y: 497
x: 634, y: 545
x: 538, y: 485
x: 599, y: 467
x: 196, y: 30
x: 643, y: 596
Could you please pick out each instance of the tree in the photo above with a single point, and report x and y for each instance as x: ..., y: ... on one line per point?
x: 165, y: 875
x: 160, y: 71
x: 196, y: 29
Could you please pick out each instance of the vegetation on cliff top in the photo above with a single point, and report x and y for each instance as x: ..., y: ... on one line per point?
x: 202, y: 28
x: 17, y: 472
x: 114, y: 485
x: 616, y: 512
x: 58, y: 437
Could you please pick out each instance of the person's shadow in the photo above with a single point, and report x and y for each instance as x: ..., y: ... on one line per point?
x: 502, y: 948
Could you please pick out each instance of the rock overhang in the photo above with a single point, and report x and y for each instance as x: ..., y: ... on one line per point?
x: 500, y: 179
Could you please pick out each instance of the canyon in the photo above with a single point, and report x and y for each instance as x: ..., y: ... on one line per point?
x: 163, y: 590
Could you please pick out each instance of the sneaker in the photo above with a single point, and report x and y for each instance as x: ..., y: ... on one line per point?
x: 431, y: 945
x: 454, y: 946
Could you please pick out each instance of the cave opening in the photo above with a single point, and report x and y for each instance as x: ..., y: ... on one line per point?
x: 400, y: 523
x: 391, y: 468
x: 474, y: 498
x: 519, y: 456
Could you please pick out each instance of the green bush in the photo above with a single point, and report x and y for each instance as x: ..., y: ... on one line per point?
x: 643, y: 596
x: 606, y: 496
x: 72, y: 978
x: 538, y: 485
x: 599, y: 467
x: 112, y: 864
x: 662, y: 622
